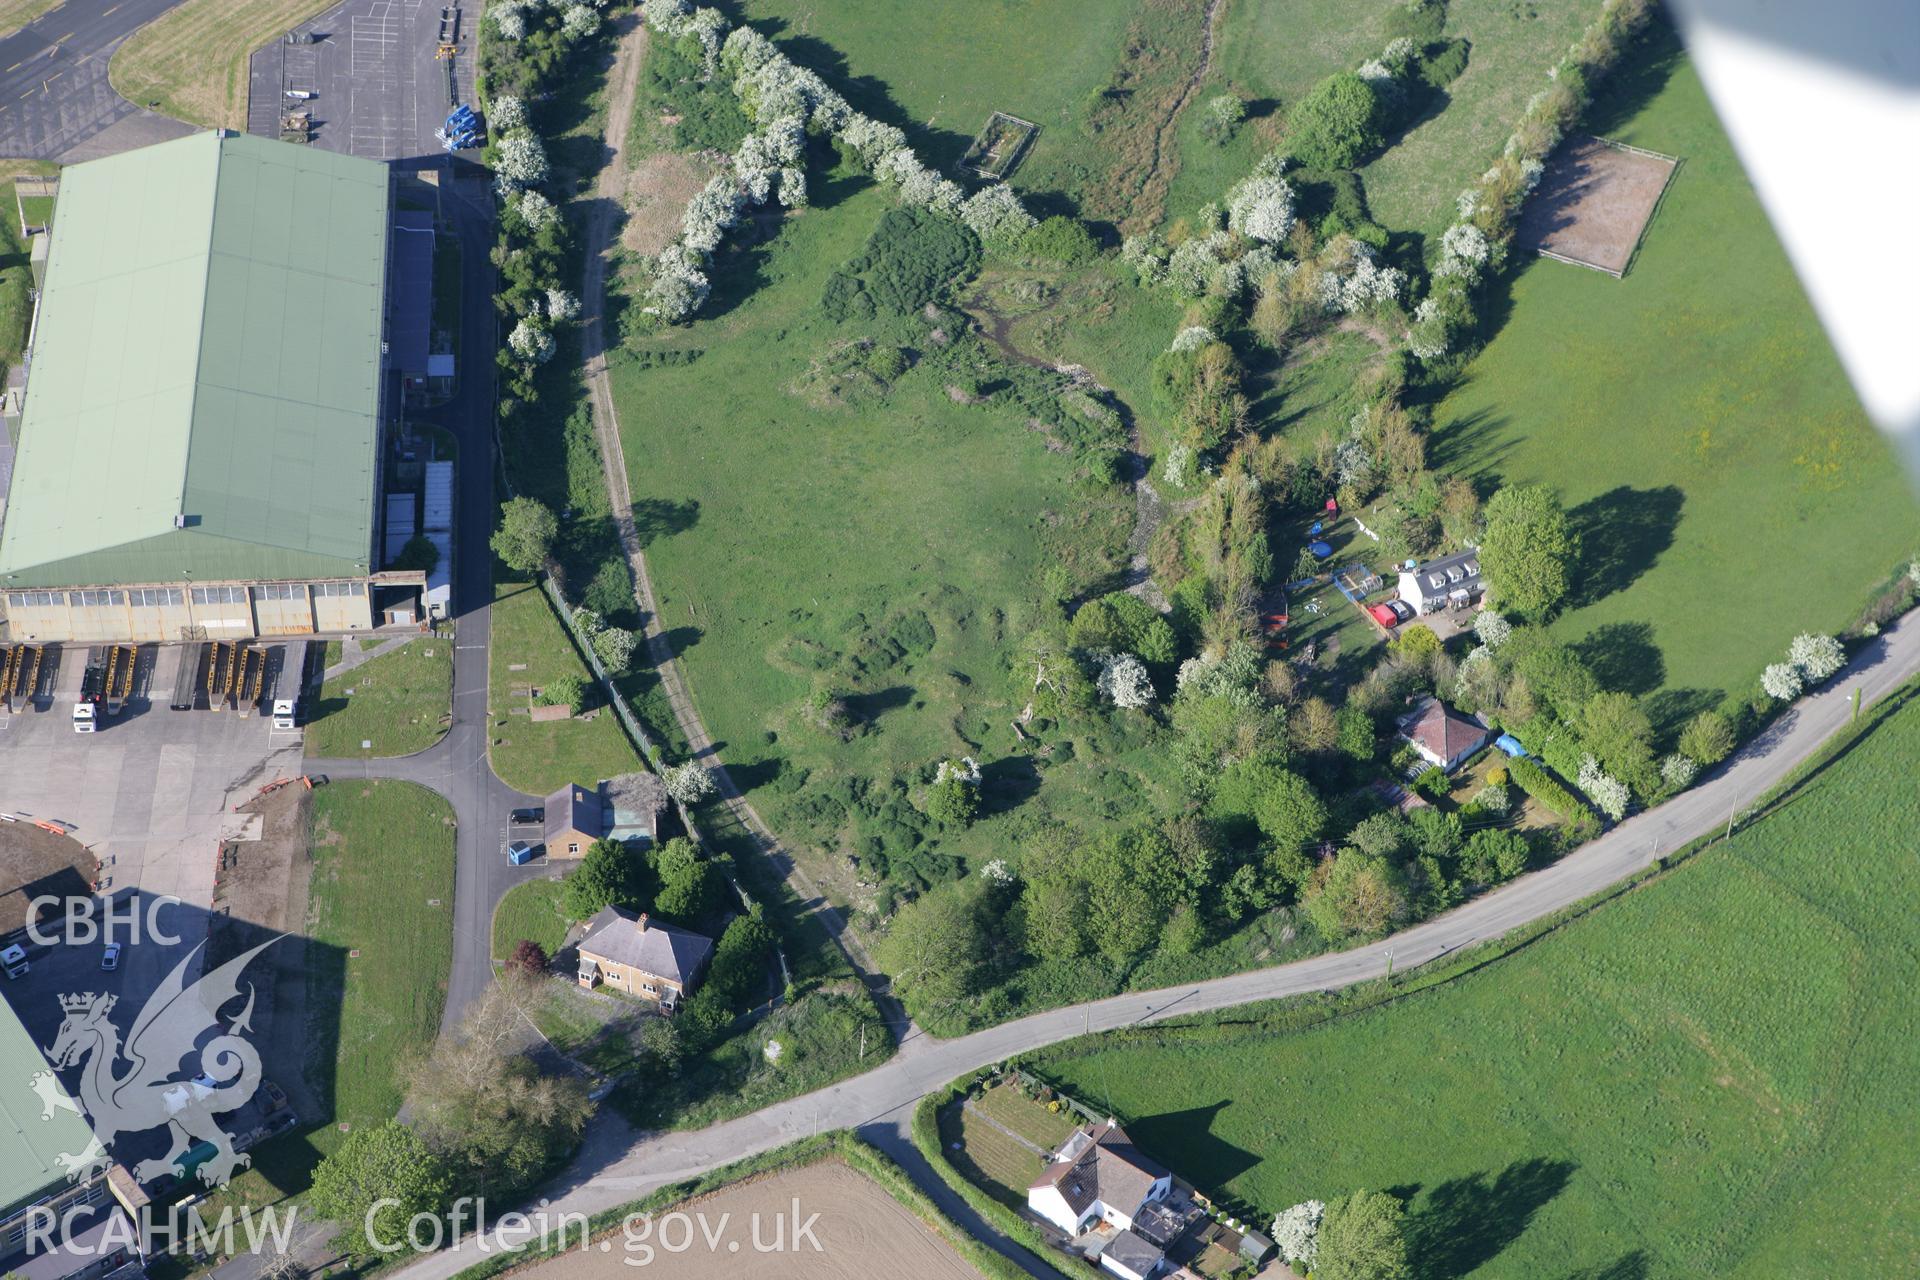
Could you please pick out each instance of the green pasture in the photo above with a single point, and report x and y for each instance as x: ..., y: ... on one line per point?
x: 1693, y: 419
x: 1701, y: 1078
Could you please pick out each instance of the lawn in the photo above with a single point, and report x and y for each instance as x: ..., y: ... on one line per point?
x: 192, y: 60
x: 890, y: 543
x: 530, y: 910
x: 1693, y: 419
x: 1698, y: 1079
x: 530, y: 648
x: 382, y: 904
x: 398, y: 701
x: 380, y: 914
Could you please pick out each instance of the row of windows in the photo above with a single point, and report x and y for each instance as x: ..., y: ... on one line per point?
x: 154, y: 596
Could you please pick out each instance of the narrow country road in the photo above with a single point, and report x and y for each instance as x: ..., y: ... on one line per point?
x: 879, y: 1102
x: 602, y: 224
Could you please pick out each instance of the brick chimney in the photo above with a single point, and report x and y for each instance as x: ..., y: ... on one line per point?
x: 641, y: 923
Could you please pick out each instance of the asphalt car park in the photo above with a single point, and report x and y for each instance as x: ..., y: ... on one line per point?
x: 370, y: 75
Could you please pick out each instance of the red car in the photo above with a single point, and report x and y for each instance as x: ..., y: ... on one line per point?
x: 1384, y: 615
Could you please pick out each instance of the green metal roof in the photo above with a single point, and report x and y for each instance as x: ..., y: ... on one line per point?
x: 208, y: 346
x: 30, y: 1146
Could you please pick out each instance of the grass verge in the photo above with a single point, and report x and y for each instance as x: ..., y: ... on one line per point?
x: 529, y: 911
x: 530, y: 649
x: 399, y: 701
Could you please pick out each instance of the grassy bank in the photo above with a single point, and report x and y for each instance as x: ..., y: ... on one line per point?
x: 1689, y: 1081
x: 399, y: 701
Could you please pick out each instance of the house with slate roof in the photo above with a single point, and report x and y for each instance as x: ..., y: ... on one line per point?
x: 1099, y: 1178
x: 1442, y: 736
x: 643, y: 958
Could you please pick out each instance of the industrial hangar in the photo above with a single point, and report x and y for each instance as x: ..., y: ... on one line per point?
x: 207, y: 400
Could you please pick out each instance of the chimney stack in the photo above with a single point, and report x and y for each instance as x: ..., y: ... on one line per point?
x: 641, y: 923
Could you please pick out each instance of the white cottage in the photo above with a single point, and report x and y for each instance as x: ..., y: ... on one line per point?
x: 1451, y: 582
x: 1099, y: 1176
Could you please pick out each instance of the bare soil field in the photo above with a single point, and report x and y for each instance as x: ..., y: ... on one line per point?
x: 34, y: 863
x: 1593, y: 204
x: 863, y: 1234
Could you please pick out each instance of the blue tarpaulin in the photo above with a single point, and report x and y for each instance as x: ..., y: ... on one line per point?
x: 1320, y: 550
x: 1510, y: 744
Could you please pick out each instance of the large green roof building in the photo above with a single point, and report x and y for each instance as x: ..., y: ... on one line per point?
x: 204, y: 397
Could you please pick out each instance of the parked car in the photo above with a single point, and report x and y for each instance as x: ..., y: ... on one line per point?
x: 1401, y: 610
x: 1384, y: 615
x: 526, y: 817
x: 521, y: 852
x: 110, y: 958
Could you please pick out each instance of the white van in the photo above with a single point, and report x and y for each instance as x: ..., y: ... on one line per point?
x: 14, y: 961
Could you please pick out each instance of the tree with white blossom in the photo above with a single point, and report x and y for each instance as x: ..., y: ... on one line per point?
x: 1124, y: 681
x: 1296, y: 1232
x: 1191, y: 338
x: 1782, y: 680
x: 535, y: 210
x: 521, y: 160
x: 506, y: 113
x: 509, y: 18
x: 562, y: 305
x: 996, y: 215
x: 689, y: 783
x: 1609, y: 795
x: 1491, y: 629
x: 1260, y: 207
x: 579, y: 20
x: 531, y: 341
x: 1817, y: 656
x: 1678, y: 771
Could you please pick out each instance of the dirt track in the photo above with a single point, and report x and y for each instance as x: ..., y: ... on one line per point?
x: 863, y: 1234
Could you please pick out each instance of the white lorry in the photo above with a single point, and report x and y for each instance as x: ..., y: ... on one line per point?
x: 286, y: 685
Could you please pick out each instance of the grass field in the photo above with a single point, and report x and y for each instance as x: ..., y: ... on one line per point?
x: 529, y: 649
x: 842, y: 524
x: 1041, y: 60
x: 1411, y: 186
x: 399, y: 701
x: 192, y: 59
x: 1693, y: 419
x: 530, y: 910
x: 382, y: 893
x: 15, y: 14
x: 1698, y: 1079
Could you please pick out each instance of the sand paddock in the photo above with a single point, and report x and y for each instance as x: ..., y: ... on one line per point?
x: 1594, y: 203
x: 863, y: 1232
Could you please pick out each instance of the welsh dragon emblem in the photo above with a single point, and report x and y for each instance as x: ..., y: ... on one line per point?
x: 146, y: 1095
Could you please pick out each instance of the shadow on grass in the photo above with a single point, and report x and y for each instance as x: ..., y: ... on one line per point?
x: 1462, y: 1224
x: 1623, y: 657
x: 1190, y: 1133
x: 1623, y: 533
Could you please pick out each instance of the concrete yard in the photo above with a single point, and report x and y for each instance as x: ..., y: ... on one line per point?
x: 149, y: 793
